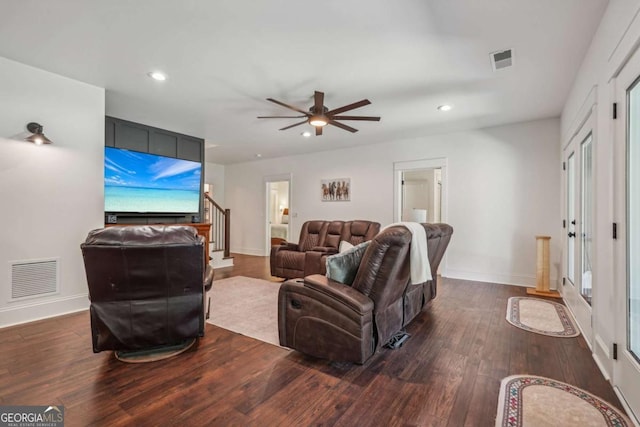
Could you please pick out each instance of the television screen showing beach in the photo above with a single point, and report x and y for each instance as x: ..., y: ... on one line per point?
x: 147, y: 183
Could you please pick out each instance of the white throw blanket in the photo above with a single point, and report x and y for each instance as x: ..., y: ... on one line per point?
x: 418, y: 256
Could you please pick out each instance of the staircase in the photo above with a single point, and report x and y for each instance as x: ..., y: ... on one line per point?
x: 220, y: 220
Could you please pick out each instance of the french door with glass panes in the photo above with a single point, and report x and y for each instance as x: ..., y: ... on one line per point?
x: 627, y: 222
x: 578, y: 237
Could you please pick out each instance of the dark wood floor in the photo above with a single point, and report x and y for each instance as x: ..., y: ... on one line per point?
x: 447, y: 374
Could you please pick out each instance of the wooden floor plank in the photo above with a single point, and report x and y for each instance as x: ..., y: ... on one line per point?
x: 447, y: 373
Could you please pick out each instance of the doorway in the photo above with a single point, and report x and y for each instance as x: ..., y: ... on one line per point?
x: 278, y: 205
x: 420, y: 190
x: 420, y: 193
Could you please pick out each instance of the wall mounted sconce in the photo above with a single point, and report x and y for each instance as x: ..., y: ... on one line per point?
x: 38, y: 137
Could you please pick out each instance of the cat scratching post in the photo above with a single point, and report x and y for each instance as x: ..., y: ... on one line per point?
x: 542, y: 269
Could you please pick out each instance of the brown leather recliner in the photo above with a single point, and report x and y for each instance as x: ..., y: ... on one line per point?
x: 147, y: 286
x: 354, y: 232
x: 317, y: 240
x: 327, y: 319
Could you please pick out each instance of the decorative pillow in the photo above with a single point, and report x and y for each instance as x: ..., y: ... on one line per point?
x: 343, y: 267
x: 344, y: 246
x: 285, y: 219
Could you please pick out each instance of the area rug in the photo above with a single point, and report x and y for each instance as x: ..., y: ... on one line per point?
x: 247, y: 306
x: 527, y: 400
x: 542, y: 317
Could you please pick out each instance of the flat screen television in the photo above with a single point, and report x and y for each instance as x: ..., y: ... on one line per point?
x: 143, y: 183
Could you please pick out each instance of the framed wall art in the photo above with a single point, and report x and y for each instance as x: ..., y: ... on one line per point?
x: 335, y: 190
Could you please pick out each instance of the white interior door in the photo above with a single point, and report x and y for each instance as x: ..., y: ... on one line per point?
x: 627, y: 246
x: 579, y: 212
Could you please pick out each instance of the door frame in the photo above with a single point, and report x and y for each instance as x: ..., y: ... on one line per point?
x: 268, y: 179
x: 414, y: 165
x: 582, y: 311
x: 626, y: 369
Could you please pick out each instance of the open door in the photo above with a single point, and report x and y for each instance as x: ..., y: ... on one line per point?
x: 278, y: 203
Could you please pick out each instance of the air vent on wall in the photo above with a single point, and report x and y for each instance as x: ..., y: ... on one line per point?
x: 501, y: 59
x: 33, y: 278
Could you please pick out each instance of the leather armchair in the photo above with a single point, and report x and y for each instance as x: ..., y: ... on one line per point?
x: 147, y: 286
x: 327, y: 319
x: 287, y: 260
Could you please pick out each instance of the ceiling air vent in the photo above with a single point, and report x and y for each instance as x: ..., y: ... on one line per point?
x: 501, y: 59
x: 33, y: 278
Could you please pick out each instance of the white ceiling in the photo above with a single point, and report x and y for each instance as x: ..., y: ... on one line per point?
x: 224, y: 57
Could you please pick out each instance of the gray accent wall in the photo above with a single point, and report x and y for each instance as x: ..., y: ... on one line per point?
x: 147, y: 139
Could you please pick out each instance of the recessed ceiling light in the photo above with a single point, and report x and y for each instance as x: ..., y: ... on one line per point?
x: 444, y: 107
x: 306, y: 134
x: 157, y: 75
x: 258, y: 155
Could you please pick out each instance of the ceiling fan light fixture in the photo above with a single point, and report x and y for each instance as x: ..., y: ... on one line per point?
x: 319, y: 116
x: 317, y: 120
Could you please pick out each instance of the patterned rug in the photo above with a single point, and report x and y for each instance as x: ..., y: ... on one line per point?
x: 247, y: 306
x: 542, y: 317
x: 527, y: 400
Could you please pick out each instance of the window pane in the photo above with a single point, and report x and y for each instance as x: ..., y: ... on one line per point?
x: 571, y: 216
x: 633, y: 220
x: 586, y: 208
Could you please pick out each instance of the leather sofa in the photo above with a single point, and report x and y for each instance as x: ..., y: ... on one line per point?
x: 147, y: 286
x: 327, y: 319
x: 318, y: 239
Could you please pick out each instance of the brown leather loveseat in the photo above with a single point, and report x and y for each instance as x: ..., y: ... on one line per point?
x: 330, y: 320
x: 318, y: 239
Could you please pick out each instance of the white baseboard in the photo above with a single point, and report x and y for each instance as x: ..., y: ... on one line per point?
x: 602, y: 356
x: 248, y: 251
x: 507, y: 279
x: 38, y: 310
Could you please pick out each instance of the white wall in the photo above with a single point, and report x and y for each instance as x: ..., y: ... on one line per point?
x: 214, y: 174
x: 503, y: 190
x: 52, y: 195
x: 612, y: 43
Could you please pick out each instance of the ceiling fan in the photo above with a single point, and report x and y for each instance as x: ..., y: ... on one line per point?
x: 319, y: 116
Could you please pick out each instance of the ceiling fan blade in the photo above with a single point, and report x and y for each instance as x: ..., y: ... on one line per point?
x: 280, y: 117
x: 367, y: 118
x: 294, y: 125
x: 342, y: 126
x: 349, y: 107
x: 275, y: 101
x: 318, y: 130
x: 319, y: 102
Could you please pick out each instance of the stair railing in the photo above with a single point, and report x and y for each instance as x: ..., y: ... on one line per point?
x: 220, y: 220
